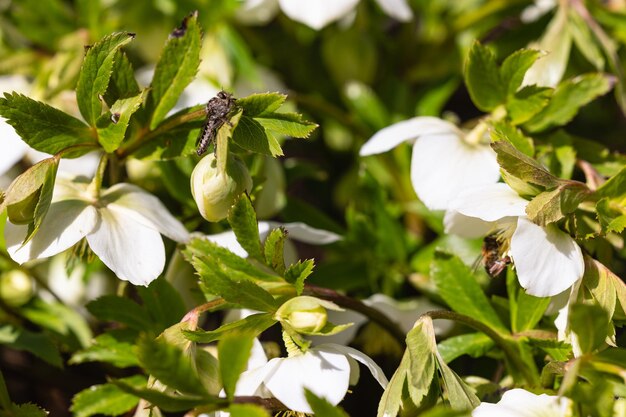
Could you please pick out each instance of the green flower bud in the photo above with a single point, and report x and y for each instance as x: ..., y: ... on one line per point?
x: 214, y: 192
x: 305, y: 314
x: 16, y: 288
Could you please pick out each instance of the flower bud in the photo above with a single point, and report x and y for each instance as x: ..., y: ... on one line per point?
x: 305, y: 314
x: 215, y: 192
x: 16, y: 288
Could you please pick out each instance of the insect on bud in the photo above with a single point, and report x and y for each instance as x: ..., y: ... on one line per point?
x: 215, y: 192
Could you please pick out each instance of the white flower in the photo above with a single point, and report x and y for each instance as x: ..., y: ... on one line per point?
x: 316, y: 14
x: 521, y: 403
x: 326, y: 370
x: 443, y: 163
x: 547, y: 260
x: 122, y: 226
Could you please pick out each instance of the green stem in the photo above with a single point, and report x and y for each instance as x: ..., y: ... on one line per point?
x: 147, y: 135
x: 503, y: 342
x: 96, y: 184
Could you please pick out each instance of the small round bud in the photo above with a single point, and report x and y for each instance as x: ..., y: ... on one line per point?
x: 309, y: 321
x: 16, y: 288
x: 215, y: 192
x: 305, y: 314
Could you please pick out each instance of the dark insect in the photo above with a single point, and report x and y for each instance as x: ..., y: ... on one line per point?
x: 182, y: 29
x: 218, y: 111
x: 493, y: 260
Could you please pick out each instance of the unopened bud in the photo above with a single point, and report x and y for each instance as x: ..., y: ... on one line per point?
x: 305, y: 314
x: 16, y: 288
x: 215, y: 192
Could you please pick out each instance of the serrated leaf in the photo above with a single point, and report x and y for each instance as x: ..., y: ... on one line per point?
x: 169, y: 364
x: 233, y: 352
x: 322, y: 407
x: 614, y: 188
x: 288, y: 124
x: 122, y: 83
x: 242, y: 220
x: 121, y: 310
x: 27, y: 410
x: 106, y: 348
x: 247, y: 410
x: 611, y: 216
x: 590, y: 324
x: 514, y: 68
x: 258, y: 104
x: 171, y: 402
x: 459, y: 289
x: 483, y: 79
x: 527, y: 102
x: 113, y: 124
x: 523, y: 167
x: 45, y: 128
x: 504, y: 131
x: 297, y: 273
x: 38, y: 344
x: 95, y: 74
x: 473, y: 344
x: 551, y: 206
x: 391, y: 400
x: 460, y: 395
x: 106, y: 399
x: 176, y: 68
x: 421, y: 345
x: 274, y: 248
x: 557, y: 349
x: 254, y: 324
x: 250, y: 135
x: 568, y: 98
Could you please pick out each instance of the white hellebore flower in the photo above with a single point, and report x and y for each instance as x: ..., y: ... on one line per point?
x: 122, y: 226
x: 443, y: 162
x: 521, y: 403
x: 326, y: 370
x: 316, y: 14
x: 547, y: 260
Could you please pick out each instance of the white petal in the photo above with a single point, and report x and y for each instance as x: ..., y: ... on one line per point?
x: 307, y: 234
x: 257, y: 12
x: 521, y: 403
x: 358, y: 356
x: 398, y: 9
x: 258, y: 357
x: 547, y: 260
x: 228, y: 240
x: 66, y: 223
x: 146, y: 209
x: 251, y: 382
x: 13, y: 147
x: 325, y: 373
x: 490, y: 202
x: 317, y: 14
x: 464, y: 226
x: 407, y: 130
x: 443, y: 166
x: 132, y: 250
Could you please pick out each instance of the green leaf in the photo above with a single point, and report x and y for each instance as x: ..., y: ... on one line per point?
x: 169, y: 364
x: 459, y: 289
x: 95, y: 73
x: 297, y: 273
x: 504, y: 131
x: 483, y: 78
x: 247, y: 410
x: 527, y: 102
x: 460, y: 396
x: 473, y: 344
x: 391, y: 400
x: 514, y: 68
x: 233, y: 351
x: 258, y: 104
x: 113, y: 124
x: 614, y: 188
x: 171, y: 402
x: 242, y: 220
x: 288, y: 124
x: 600, y: 282
x: 557, y: 349
x: 590, y: 324
x: 368, y: 107
x: 106, y: 348
x: 254, y: 324
x: 249, y: 134
x: 176, y: 68
x: 27, y: 410
x: 38, y: 344
x: 122, y: 310
x: 45, y: 128
x: 163, y: 303
x: 122, y: 83
x: 273, y: 249
x: 568, y: 98
x: 322, y: 407
x: 612, y: 216
x: 421, y: 345
x: 106, y: 399
x: 523, y: 167
x: 551, y: 206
